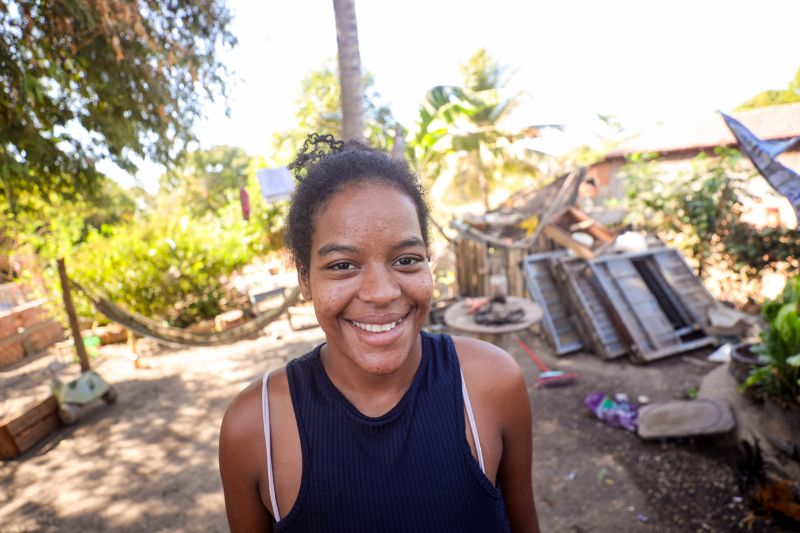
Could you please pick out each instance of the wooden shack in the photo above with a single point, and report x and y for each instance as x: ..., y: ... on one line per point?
x: 499, y: 241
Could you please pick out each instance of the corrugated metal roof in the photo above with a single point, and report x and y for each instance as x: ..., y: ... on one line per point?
x: 772, y: 122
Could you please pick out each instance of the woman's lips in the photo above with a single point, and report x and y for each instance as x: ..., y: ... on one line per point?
x: 377, y: 328
x: 379, y: 331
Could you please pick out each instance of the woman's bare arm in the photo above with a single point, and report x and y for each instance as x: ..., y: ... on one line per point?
x: 240, y: 441
x: 514, y: 473
x: 502, y: 406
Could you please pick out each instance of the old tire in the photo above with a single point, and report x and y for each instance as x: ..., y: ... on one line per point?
x: 743, y: 360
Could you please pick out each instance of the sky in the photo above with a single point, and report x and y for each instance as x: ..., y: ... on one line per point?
x: 643, y: 61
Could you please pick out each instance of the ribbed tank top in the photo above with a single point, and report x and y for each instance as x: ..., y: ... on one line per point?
x: 408, y: 470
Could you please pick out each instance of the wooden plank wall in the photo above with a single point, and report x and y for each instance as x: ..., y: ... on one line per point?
x: 476, y: 261
x: 472, y: 268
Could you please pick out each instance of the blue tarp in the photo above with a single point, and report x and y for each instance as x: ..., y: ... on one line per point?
x: 763, y: 153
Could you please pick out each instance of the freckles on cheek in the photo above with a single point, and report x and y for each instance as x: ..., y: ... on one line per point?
x: 424, y: 286
x: 328, y: 304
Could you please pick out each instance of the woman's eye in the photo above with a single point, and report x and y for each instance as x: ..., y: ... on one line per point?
x: 342, y: 267
x: 408, y: 261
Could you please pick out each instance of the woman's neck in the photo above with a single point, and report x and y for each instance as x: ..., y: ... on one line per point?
x: 372, y: 394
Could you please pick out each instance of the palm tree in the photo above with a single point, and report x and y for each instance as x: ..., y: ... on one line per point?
x: 349, y: 70
x: 460, y: 140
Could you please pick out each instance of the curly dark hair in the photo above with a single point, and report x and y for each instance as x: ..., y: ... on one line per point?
x: 322, y: 167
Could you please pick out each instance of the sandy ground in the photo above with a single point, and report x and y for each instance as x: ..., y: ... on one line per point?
x: 149, y: 462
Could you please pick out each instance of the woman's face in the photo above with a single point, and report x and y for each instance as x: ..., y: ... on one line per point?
x: 369, y: 276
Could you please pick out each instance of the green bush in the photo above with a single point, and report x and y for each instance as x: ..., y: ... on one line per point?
x: 780, y: 347
x: 171, y: 268
x: 699, y: 212
x: 164, y: 257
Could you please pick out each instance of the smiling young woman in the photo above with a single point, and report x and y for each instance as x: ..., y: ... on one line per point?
x: 384, y: 427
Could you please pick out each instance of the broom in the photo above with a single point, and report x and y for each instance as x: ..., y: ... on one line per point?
x: 547, y: 378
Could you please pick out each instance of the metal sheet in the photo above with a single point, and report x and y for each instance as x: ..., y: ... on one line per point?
x: 763, y: 153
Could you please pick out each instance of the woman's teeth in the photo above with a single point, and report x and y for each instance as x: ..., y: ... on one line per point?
x: 377, y: 328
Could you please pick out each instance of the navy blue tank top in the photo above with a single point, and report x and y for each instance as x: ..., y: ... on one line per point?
x: 408, y: 470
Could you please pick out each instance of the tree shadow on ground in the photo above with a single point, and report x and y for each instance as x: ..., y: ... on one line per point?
x: 147, y: 462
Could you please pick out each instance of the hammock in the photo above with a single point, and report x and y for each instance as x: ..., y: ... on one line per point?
x: 169, y: 335
x: 763, y: 153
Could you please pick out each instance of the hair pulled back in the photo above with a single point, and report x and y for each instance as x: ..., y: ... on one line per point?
x: 323, y: 167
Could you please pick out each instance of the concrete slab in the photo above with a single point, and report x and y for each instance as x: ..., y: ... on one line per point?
x: 687, y: 418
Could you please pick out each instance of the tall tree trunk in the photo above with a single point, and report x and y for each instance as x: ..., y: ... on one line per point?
x: 349, y: 70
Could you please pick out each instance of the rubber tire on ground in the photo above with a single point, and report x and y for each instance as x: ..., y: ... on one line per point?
x: 742, y: 362
x: 110, y: 395
x: 69, y: 413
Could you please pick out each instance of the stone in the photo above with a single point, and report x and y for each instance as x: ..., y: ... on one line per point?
x: 685, y: 418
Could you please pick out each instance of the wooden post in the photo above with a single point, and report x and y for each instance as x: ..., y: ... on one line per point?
x: 137, y: 360
x: 73, y: 317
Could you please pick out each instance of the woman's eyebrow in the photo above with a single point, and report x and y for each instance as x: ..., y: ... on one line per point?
x: 334, y: 248
x: 409, y: 243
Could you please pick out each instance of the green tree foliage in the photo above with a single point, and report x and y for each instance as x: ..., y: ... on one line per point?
x: 50, y: 226
x: 460, y: 135
x: 700, y: 211
x: 775, y: 97
x: 160, y: 257
x: 83, y: 80
x: 168, y: 263
x: 319, y: 110
x: 171, y: 262
x: 208, y: 179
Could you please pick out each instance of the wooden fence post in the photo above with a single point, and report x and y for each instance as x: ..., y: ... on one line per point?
x: 73, y: 317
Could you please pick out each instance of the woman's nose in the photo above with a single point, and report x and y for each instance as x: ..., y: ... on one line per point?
x: 379, y: 286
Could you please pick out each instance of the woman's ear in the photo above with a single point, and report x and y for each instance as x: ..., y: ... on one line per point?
x: 302, y: 280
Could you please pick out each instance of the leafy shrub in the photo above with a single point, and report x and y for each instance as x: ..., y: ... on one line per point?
x: 172, y: 269
x: 163, y: 257
x: 780, y: 347
x: 700, y: 211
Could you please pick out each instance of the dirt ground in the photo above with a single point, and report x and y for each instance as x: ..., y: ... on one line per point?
x: 149, y: 462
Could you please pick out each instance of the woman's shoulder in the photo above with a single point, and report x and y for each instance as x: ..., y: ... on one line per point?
x: 484, y: 362
x: 493, y: 378
x: 243, y: 416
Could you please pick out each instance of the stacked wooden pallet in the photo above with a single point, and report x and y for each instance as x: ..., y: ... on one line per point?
x: 648, y: 305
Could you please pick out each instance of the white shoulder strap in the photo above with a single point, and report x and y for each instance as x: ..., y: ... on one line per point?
x: 472, y: 427
x: 267, y: 440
